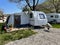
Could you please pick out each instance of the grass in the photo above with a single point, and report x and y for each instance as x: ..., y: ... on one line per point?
x: 1, y: 25
x: 56, y: 25
x: 16, y: 35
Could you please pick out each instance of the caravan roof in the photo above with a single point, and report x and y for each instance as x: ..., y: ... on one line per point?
x: 53, y: 14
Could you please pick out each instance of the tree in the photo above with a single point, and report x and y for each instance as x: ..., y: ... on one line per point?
x: 50, y: 6
x: 1, y: 12
x: 1, y: 15
x: 26, y: 8
x: 31, y: 3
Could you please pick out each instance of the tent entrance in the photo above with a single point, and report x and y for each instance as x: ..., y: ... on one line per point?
x: 17, y: 20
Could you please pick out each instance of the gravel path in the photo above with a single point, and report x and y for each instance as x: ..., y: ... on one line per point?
x: 43, y: 37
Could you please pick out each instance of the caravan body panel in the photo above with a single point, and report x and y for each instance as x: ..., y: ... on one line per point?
x: 53, y: 17
x: 36, y: 19
x: 24, y: 19
x: 11, y: 20
x: 39, y: 18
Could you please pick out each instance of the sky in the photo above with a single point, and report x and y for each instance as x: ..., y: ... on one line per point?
x: 9, y: 7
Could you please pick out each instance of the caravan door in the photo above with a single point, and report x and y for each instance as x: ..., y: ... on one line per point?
x: 17, y: 20
x: 31, y: 18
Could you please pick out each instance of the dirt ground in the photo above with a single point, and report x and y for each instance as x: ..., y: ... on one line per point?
x: 43, y: 37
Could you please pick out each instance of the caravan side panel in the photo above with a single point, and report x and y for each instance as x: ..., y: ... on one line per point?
x: 36, y: 19
x: 11, y: 20
x: 24, y: 19
x: 53, y: 17
x: 39, y: 21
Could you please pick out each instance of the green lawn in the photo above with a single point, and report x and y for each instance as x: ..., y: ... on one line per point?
x: 1, y: 25
x: 6, y: 37
x: 16, y: 35
x: 56, y: 25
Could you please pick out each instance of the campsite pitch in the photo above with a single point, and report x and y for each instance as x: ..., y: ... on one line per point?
x: 41, y: 38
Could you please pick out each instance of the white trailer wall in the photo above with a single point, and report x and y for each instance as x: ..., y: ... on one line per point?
x: 24, y: 19
x: 11, y: 20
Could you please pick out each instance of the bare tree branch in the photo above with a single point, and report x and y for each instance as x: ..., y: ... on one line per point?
x: 37, y: 2
x: 27, y: 1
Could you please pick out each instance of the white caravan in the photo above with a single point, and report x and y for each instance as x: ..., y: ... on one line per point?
x: 34, y: 18
x: 53, y: 17
x: 37, y: 18
x: 18, y: 19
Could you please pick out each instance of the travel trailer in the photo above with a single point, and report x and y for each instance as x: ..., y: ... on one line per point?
x: 53, y: 17
x: 34, y: 18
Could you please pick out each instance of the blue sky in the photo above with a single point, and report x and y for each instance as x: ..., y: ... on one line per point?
x: 9, y: 7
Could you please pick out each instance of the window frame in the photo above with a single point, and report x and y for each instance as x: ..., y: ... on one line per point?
x: 56, y: 16
x: 41, y: 16
x: 31, y: 15
x: 51, y: 16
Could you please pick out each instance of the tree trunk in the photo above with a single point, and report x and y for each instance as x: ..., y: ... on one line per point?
x: 33, y: 5
x: 57, y: 11
x: 27, y: 1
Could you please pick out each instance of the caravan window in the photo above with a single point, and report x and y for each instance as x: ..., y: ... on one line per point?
x: 31, y: 15
x: 42, y: 16
x: 51, y: 16
x: 56, y: 16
